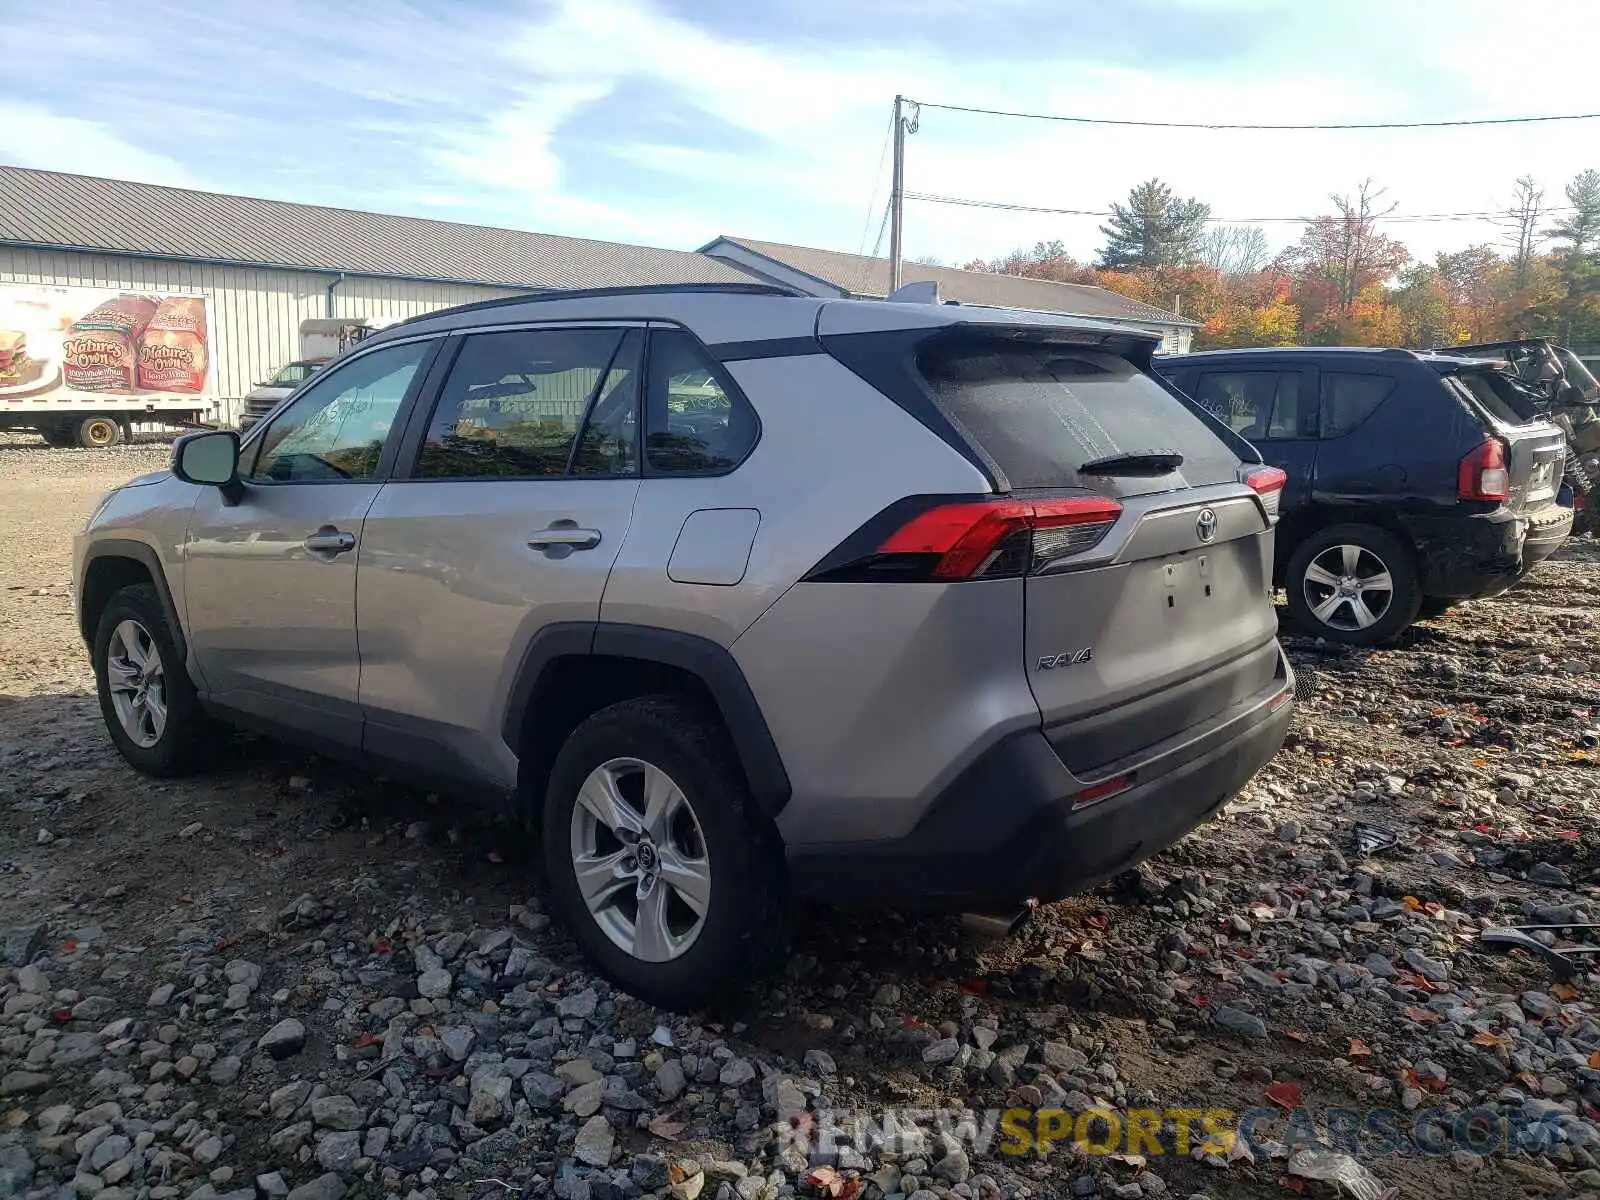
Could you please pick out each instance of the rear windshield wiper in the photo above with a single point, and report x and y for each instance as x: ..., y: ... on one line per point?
x: 1143, y: 462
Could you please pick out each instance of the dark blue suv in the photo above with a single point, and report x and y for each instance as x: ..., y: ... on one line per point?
x: 1413, y: 481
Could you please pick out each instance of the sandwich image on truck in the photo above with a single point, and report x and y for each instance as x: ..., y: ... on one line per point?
x: 14, y: 364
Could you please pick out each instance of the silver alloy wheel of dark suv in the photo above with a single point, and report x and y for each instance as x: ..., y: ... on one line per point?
x: 1348, y: 587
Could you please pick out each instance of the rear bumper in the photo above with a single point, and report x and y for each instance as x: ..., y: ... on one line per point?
x: 1005, y: 831
x: 1471, y: 556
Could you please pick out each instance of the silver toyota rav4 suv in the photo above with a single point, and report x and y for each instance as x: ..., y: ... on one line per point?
x: 733, y: 595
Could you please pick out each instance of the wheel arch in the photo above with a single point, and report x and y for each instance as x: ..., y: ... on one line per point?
x: 572, y: 670
x: 112, y: 564
x: 1294, y: 530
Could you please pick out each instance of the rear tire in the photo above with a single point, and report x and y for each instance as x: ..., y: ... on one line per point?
x: 98, y: 433
x: 1354, y: 584
x: 58, y: 435
x: 701, y: 843
x: 146, y: 697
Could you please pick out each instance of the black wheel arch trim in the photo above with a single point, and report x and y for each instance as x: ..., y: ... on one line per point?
x: 146, y: 556
x: 712, y: 664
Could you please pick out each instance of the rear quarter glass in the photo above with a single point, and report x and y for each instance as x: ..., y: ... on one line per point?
x: 1043, y: 411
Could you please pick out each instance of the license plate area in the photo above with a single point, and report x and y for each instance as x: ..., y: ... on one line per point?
x: 1542, y: 481
x: 1190, y: 580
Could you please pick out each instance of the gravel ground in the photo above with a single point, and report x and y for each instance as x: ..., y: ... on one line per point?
x: 282, y: 979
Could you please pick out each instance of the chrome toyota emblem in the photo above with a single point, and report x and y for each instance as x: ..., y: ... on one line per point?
x: 1205, y: 525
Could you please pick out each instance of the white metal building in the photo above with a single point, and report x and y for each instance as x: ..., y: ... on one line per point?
x: 267, y: 265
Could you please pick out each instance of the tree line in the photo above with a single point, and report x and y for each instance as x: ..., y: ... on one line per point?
x: 1345, y: 281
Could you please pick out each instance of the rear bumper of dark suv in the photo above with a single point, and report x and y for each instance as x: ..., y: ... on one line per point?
x: 1006, y: 830
x: 1473, y: 557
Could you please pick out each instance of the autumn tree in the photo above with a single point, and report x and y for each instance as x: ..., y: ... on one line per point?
x: 1427, y: 314
x: 1234, y: 249
x: 1047, y: 260
x: 1475, y: 280
x: 1522, y: 227
x: 1153, y: 229
x: 1339, y: 259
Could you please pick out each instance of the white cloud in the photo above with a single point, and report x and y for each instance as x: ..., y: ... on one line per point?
x: 31, y: 136
x: 817, y: 113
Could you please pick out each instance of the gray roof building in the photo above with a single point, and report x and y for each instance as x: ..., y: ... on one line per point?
x: 55, y: 211
x: 833, y: 272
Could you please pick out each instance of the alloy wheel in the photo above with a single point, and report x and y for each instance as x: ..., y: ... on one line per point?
x: 138, y: 683
x: 640, y: 859
x: 1348, y: 587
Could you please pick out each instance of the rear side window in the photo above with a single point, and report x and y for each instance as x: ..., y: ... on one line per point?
x: 514, y: 403
x: 1348, y: 400
x: 1259, y: 405
x: 693, y: 425
x: 1043, y: 412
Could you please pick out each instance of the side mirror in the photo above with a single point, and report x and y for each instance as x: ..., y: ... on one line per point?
x: 212, y: 459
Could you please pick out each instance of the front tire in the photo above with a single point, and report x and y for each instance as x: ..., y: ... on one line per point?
x: 1354, y: 584
x: 659, y: 863
x: 146, y: 697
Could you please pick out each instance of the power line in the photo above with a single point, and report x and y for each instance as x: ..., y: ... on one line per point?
x: 882, y: 226
x: 877, y: 177
x: 1406, y: 218
x: 1030, y: 116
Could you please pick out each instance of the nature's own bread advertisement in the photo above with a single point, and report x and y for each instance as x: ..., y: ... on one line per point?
x: 66, y: 343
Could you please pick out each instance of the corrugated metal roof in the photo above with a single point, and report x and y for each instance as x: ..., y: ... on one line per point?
x: 863, y: 276
x: 81, y: 212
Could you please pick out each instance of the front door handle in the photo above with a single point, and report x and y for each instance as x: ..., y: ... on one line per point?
x: 329, y: 540
x: 569, y: 536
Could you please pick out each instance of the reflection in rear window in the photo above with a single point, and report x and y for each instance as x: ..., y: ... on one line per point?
x: 1042, y: 412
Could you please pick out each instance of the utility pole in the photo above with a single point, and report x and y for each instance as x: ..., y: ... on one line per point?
x: 902, y: 126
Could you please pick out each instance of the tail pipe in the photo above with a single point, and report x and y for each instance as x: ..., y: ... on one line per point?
x: 995, y: 925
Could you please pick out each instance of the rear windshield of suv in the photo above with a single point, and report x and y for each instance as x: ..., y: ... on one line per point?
x: 1494, y: 394
x: 1043, y: 411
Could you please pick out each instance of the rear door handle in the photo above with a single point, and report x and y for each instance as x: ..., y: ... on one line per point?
x: 329, y: 540
x: 565, y: 535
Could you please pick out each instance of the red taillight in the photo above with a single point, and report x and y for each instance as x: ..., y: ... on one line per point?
x: 1268, y: 483
x: 1099, y: 791
x: 970, y: 537
x: 1483, y: 475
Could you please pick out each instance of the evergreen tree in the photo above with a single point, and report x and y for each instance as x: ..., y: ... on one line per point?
x: 1153, y: 229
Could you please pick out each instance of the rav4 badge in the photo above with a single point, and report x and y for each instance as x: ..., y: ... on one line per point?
x: 1067, y: 658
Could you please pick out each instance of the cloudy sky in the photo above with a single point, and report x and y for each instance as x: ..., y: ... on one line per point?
x: 671, y: 121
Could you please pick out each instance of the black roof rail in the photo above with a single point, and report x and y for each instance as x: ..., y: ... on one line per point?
x: 640, y: 289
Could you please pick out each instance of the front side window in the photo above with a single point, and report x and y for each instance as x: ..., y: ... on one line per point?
x: 693, y: 425
x: 1258, y: 405
x: 336, y: 429
x: 1241, y: 400
x: 515, y: 402
x: 293, y: 374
